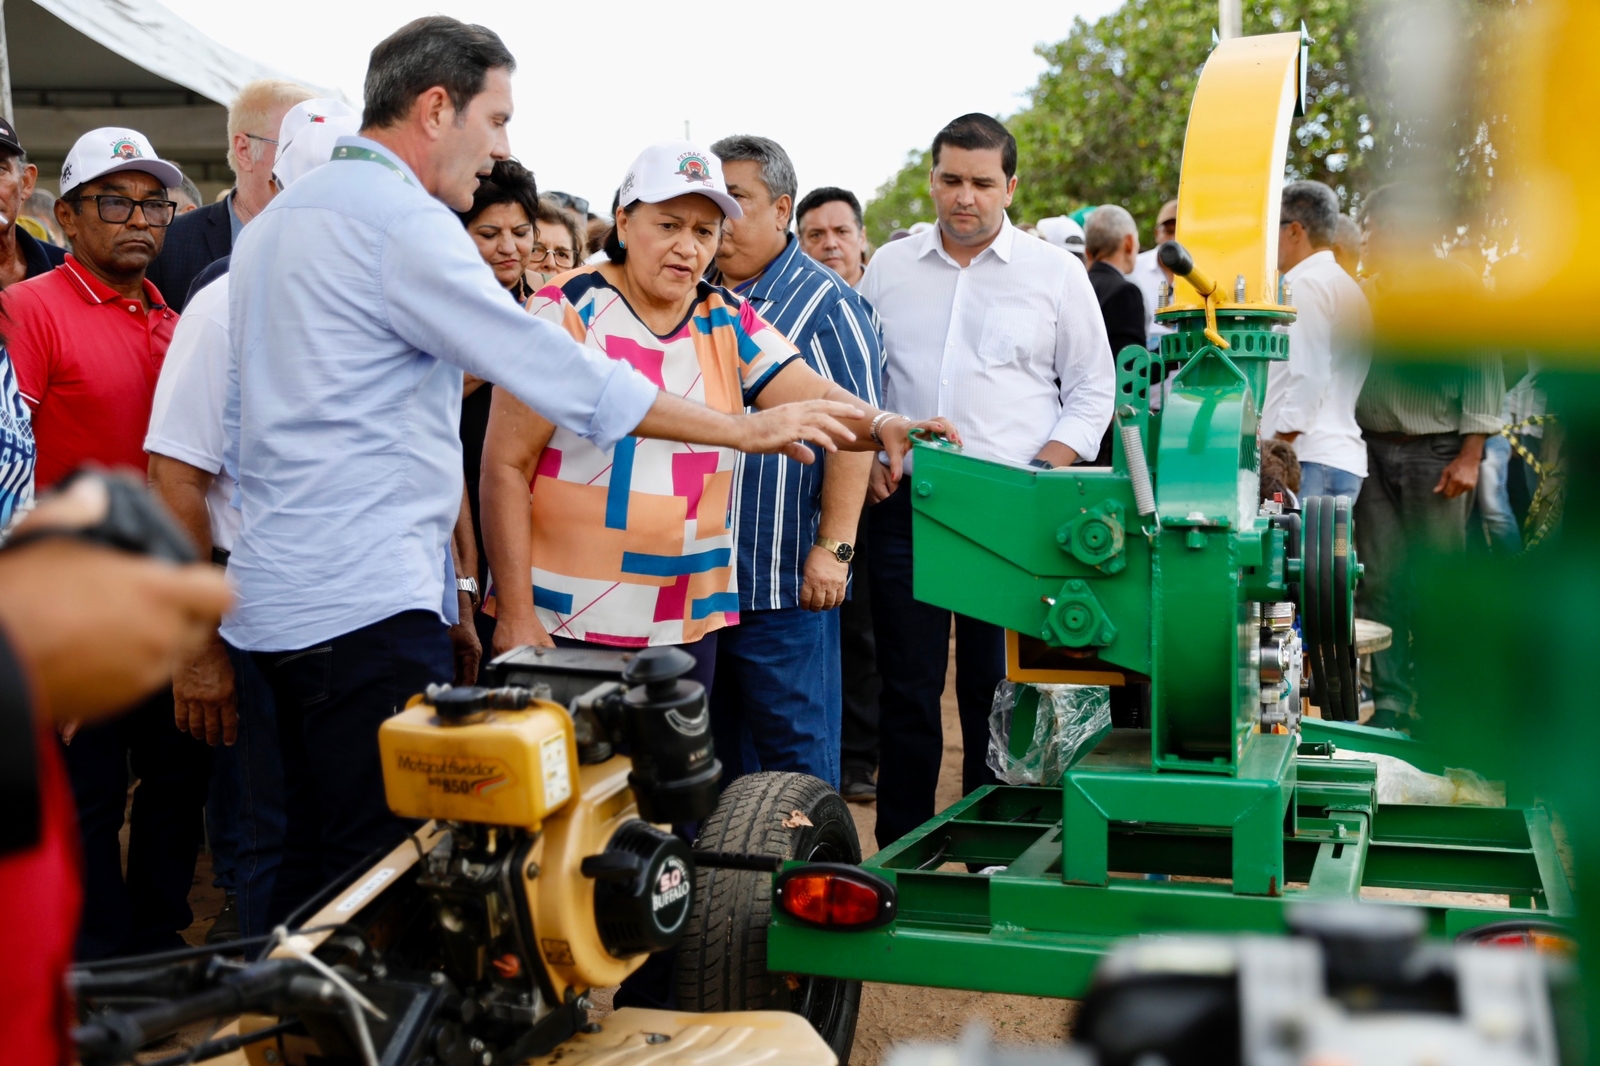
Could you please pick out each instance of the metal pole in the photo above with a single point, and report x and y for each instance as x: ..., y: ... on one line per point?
x: 1230, y: 20
x: 5, y: 68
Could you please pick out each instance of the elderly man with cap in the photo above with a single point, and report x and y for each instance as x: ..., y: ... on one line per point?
x: 22, y: 255
x: 220, y: 695
x: 87, y: 340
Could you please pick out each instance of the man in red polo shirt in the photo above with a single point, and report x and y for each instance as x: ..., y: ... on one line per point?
x: 87, y: 340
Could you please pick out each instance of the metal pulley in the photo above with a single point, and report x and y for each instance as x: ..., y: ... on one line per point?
x: 1328, y: 576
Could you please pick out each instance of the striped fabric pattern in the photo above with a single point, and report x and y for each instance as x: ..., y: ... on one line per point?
x: 17, y: 451
x: 1415, y: 399
x: 778, y: 503
x: 631, y: 545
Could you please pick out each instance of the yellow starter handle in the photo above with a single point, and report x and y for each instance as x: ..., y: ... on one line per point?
x: 1176, y: 258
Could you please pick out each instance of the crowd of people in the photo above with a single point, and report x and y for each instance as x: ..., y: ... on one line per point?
x: 422, y: 413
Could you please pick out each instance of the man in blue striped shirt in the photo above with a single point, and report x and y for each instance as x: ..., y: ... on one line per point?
x: 776, y: 699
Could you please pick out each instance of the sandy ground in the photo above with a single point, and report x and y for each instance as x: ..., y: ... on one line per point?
x: 893, y: 1014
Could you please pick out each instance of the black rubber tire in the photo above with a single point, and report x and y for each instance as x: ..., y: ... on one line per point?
x: 722, y: 961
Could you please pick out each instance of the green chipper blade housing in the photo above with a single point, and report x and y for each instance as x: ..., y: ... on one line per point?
x: 1213, y: 804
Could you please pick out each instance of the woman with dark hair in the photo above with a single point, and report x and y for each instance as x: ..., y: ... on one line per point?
x: 501, y: 223
x: 632, y: 546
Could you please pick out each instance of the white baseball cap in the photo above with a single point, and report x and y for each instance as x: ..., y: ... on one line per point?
x: 307, y: 137
x: 1062, y: 232
x: 111, y: 150
x: 673, y: 168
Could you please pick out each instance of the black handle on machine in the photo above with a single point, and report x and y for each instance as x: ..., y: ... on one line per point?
x: 116, y: 1037
x: 1176, y: 258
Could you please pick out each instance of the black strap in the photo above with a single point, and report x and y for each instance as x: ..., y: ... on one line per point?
x: 19, y: 762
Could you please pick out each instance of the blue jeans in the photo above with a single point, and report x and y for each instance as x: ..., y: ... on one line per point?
x: 1319, y: 479
x: 1494, y: 496
x: 776, y: 705
x: 330, y: 700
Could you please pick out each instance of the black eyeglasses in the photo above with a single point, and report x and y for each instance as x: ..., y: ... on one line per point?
x: 570, y: 202
x: 118, y: 209
x: 562, y: 256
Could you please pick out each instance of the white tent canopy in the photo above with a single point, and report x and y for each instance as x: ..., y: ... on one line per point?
x: 78, y: 64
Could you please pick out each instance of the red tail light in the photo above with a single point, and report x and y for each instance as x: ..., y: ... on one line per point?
x: 1546, y: 938
x: 835, y: 896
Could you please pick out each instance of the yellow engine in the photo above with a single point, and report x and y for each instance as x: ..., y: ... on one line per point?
x: 510, y: 771
x: 458, y: 758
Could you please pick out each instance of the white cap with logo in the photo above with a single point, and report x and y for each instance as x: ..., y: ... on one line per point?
x: 307, y: 137
x: 1062, y: 232
x: 111, y: 150
x: 673, y: 168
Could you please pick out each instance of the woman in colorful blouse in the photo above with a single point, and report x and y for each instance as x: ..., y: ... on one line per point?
x: 631, y: 547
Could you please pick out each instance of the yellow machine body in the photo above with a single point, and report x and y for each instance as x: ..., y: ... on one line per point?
x: 1231, y: 188
x: 561, y: 898
x: 511, y: 768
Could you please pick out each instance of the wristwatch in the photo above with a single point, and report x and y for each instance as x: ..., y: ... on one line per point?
x: 836, y: 548
x: 469, y: 585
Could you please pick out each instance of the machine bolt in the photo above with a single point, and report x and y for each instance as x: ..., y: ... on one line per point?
x: 271, y: 1057
x: 476, y: 1045
x: 924, y: 488
x: 1194, y: 539
x: 1238, y: 289
x: 532, y: 871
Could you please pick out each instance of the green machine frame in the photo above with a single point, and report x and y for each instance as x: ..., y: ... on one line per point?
x: 1236, y: 819
x: 1156, y: 576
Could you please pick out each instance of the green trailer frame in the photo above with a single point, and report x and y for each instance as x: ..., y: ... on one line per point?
x: 1208, y: 821
x: 1026, y: 929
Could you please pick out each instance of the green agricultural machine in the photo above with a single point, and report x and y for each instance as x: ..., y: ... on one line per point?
x: 1213, y: 805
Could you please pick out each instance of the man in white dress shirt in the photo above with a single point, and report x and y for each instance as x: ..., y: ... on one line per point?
x: 1003, y: 335
x: 1311, y: 399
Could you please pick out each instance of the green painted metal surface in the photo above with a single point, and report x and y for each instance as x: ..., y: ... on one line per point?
x: 1239, y: 820
x: 1024, y: 930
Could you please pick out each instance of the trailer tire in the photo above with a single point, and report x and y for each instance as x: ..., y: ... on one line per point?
x: 722, y: 961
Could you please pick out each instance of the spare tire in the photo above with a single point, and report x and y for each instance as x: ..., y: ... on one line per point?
x: 722, y: 961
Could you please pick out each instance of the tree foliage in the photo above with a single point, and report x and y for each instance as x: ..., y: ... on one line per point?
x: 1105, y: 122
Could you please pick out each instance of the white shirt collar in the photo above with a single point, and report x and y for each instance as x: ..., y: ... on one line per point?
x: 1309, y: 263
x: 1001, y: 246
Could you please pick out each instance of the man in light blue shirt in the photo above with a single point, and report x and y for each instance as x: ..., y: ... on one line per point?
x: 357, y: 301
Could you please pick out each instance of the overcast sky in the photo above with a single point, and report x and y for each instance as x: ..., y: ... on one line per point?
x: 846, y: 88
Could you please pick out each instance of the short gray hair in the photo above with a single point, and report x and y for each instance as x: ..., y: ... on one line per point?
x: 777, y: 172
x: 1105, y: 228
x: 1315, y: 207
x: 188, y: 188
x: 1346, y: 234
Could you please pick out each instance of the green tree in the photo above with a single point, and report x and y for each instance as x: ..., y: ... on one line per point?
x: 1106, y: 120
